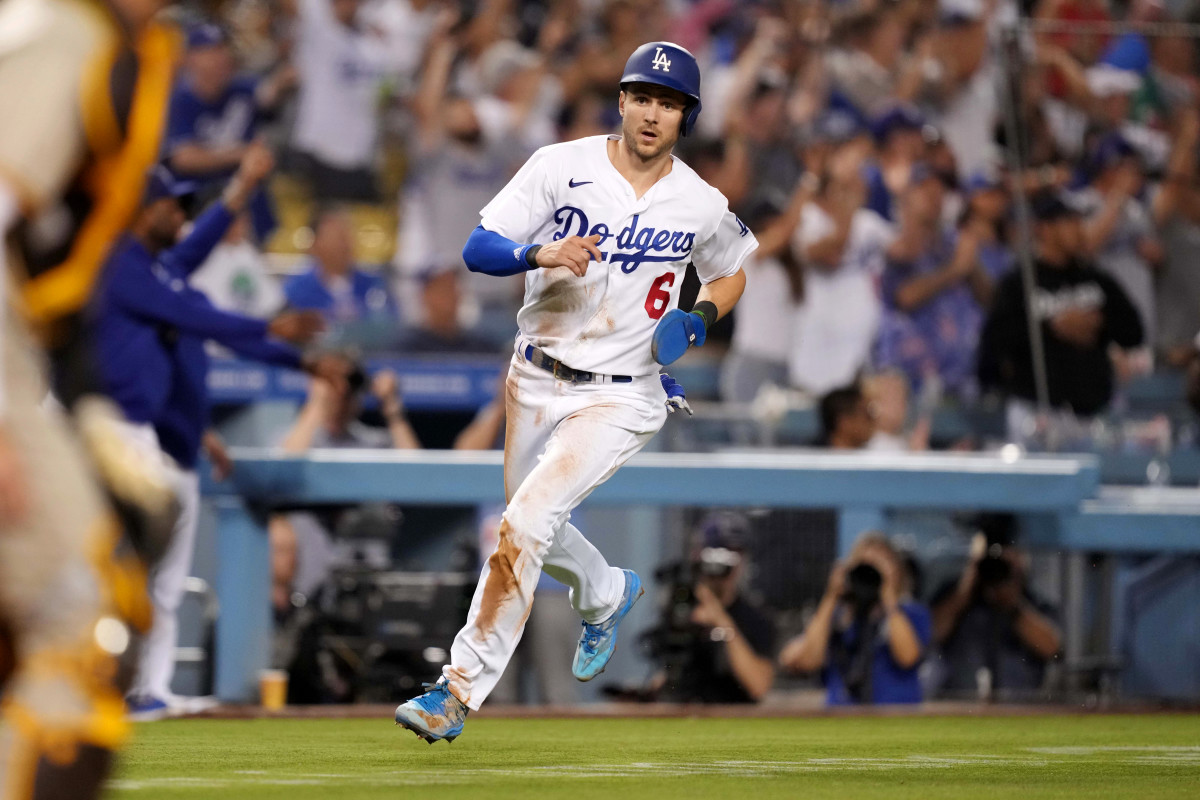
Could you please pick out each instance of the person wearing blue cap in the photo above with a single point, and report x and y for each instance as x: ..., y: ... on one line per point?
x: 150, y: 327
x: 1119, y: 228
x: 1123, y: 214
x: 900, y: 142
x: 214, y: 116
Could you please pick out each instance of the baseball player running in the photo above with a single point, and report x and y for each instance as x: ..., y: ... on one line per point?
x: 603, y: 228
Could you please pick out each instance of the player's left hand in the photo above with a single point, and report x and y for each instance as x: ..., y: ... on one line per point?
x: 676, y: 332
x: 676, y: 397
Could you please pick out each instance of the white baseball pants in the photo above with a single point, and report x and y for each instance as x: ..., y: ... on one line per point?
x: 562, y: 440
x: 156, y: 664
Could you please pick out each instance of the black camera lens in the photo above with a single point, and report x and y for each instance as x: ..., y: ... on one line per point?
x: 863, y: 583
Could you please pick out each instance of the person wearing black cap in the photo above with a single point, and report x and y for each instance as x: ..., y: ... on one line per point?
x: 1083, y: 313
x: 719, y: 649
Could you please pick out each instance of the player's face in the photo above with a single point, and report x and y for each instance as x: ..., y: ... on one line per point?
x: 651, y: 117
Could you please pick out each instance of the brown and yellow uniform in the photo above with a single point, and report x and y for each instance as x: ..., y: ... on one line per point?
x: 82, y: 110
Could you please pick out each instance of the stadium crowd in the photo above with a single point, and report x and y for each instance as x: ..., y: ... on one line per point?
x: 866, y: 143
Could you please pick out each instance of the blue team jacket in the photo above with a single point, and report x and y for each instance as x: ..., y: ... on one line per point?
x: 149, y: 327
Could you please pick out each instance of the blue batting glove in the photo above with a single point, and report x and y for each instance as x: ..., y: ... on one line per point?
x: 676, y: 397
x: 676, y: 332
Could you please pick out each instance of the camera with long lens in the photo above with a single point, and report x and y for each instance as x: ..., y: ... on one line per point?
x: 863, y: 583
x: 853, y: 660
x: 713, y: 553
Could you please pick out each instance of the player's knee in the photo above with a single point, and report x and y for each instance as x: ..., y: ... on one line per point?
x: 525, y: 529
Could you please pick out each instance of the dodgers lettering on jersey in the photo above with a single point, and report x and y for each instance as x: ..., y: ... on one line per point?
x: 646, y: 243
x: 603, y: 322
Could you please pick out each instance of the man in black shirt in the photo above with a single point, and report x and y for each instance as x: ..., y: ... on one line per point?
x: 1083, y: 313
x: 724, y: 652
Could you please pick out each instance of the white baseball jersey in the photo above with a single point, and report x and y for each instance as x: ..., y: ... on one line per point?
x: 604, y: 321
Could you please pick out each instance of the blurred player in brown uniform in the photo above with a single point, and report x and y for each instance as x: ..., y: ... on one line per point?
x: 83, y: 91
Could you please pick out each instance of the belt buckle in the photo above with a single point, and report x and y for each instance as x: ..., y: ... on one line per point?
x: 554, y: 371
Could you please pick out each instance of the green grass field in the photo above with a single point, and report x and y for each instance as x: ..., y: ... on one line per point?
x: 623, y: 759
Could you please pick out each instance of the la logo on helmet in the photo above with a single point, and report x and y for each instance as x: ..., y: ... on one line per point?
x: 661, y: 61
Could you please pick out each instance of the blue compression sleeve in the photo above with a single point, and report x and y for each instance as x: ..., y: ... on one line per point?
x: 207, y: 232
x: 266, y: 351
x: 493, y: 254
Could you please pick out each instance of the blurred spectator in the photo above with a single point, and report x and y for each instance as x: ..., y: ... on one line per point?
x: 302, y: 550
x: 1192, y: 386
x: 440, y: 330
x: 993, y: 636
x: 214, y: 115
x: 334, y: 285
x: 1125, y: 216
x: 868, y: 635
x: 887, y: 397
x: 935, y: 290
x: 755, y: 137
x: 1178, y: 287
x: 1052, y: 126
x: 623, y: 26
x: 842, y: 245
x: 1118, y: 83
x: 235, y: 276
x: 758, y: 354
x: 718, y: 647
x: 900, y: 138
x: 847, y: 422
x: 404, y: 28
x: 458, y: 167
x: 1119, y: 231
x: 964, y: 97
x: 258, y: 31
x: 986, y: 213
x: 1083, y: 313
x: 337, y: 115
x: 873, y: 69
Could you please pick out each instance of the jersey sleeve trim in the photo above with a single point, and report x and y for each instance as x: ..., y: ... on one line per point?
x: 738, y: 262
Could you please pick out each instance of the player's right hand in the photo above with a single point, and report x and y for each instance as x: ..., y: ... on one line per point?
x: 573, y: 252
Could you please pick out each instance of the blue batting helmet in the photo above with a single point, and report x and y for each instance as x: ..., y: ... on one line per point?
x: 667, y: 64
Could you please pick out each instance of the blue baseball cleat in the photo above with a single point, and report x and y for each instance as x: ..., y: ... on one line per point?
x: 437, y: 714
x: 599, y: 641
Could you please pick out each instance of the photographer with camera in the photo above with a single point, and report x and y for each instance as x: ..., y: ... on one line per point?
x: 716, y: 644
x: 993, y: 635
x: 867, y: 636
